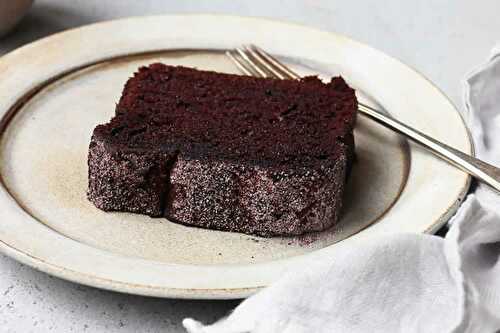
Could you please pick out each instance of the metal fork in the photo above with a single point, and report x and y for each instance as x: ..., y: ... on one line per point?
x: 252, y: 60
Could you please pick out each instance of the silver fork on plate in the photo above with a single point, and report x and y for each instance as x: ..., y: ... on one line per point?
x: 253, y: 61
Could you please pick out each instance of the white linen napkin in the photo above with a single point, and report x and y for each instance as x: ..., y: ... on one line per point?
x: 403, y: 282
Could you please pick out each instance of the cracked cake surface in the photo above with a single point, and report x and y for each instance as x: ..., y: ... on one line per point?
x: 259, y: 156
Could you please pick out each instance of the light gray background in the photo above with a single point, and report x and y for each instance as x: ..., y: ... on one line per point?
x: 443, y: 39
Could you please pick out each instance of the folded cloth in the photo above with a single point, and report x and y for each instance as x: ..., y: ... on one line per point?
x: 401, y: 282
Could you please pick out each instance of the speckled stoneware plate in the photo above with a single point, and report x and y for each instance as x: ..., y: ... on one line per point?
x: 54, y: 92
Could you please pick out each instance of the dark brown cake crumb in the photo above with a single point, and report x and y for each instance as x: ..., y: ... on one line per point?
x: 260, y: 156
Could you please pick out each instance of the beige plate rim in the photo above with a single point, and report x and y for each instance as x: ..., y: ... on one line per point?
x: 202, y: 31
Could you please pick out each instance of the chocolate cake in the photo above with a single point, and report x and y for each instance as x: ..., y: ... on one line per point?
x: 228, y: 152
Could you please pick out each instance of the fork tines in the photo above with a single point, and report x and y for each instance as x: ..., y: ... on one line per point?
x: 254, y: 61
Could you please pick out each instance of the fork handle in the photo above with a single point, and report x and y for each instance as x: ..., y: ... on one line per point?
x: 485, y: 172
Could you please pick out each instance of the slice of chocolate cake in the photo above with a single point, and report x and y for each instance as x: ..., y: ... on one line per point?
x: 229, y: 152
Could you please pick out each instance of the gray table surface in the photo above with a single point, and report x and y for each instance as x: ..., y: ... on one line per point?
x: 444, y: 39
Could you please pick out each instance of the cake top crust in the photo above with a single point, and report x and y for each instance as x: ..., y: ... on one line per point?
x: 207, y: 114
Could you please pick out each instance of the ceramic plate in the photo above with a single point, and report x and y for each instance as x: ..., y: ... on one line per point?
x: 55, y: 91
